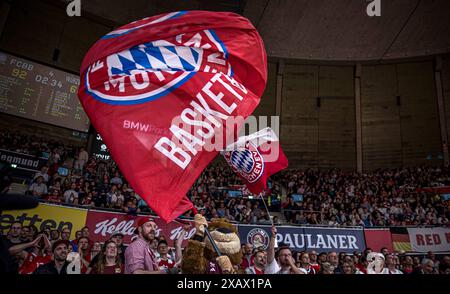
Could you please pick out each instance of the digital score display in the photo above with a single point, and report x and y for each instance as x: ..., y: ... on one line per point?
x: 38, y: 92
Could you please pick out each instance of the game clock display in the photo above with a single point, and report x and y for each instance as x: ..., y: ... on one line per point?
x: 42, y: 93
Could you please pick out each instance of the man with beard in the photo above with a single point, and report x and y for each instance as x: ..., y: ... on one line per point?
x: 259, y: 262
x: 139, y: 258
x: 59, y: 264
x: 247, y: 257
x: 264, y: 261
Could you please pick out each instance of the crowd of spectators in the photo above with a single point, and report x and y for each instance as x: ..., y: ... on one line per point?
x: 332, y: 198
x: 54, y: 252
x: 284, y: 260
x: 388, y: 197
x: 212, y: 195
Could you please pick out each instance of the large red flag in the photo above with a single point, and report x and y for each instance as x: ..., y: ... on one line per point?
x: 255, y: 158
x: 161, y: 92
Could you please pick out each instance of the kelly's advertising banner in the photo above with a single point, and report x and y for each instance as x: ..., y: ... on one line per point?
x: 306, y: 238
x: 55, y: 217
x: 102, y: 224
x: 429, y: 239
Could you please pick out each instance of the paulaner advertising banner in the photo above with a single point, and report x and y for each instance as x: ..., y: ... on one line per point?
x: 306, y: 238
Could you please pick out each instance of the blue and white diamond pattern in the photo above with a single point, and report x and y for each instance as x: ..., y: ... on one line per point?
x: 154, y: 56
x: 242, y: 160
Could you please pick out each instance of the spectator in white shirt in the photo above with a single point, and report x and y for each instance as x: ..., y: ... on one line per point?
x: 70, y: 195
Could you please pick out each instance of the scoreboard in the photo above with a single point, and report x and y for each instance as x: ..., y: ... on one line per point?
x: 38, y: 92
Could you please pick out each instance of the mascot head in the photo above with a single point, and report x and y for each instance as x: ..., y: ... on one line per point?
x: 227, y: 239
x: 376, y: 263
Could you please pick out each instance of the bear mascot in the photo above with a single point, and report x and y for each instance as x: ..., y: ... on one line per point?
x: 199, y: 257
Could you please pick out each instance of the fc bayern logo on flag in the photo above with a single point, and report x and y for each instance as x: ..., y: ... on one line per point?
x: 151, y: 70
x: 247, y: 162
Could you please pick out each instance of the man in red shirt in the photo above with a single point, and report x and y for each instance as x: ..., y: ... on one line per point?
x: 247, y: 257
x: 313, y: 261
x: 38, y: 255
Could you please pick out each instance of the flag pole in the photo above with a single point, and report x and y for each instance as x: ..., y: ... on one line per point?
x: 213, y: 243
x: 264, y: 202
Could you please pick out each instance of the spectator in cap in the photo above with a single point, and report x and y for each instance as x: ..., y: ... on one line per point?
x: 164, y: 260
x: 139, y: 258
x: 117, y: 237
x: 109, y: 261
x: 58, y: 266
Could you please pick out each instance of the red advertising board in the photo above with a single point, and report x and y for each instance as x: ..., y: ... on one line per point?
x: 378, y: 238
x: 102, y: 224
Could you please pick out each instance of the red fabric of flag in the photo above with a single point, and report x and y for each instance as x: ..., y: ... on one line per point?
x: 161, y: 92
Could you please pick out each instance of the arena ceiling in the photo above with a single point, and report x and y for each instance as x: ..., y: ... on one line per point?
x: 337, y: 30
